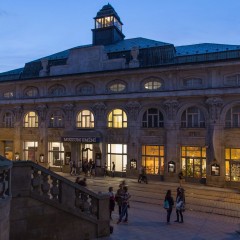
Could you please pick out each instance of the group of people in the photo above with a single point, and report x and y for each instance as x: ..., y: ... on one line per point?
x: 121, y: 197
x: 88, y: 167
x: 180, y: 204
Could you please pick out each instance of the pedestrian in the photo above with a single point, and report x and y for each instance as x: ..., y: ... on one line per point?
x: 125, y: 205
x: 74, y: 169
x: 180, y: 177
x: 111, y: 201
x: 180, y: 204
x: 105, y: 170
x: 140, y: 170
x: 93, y: 169
x: 113, y: 169
x: 169, y: 204
x: 118, y: 198
x: 71, y: 166
x: 83, y: 182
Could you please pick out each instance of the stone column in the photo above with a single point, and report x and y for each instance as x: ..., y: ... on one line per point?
x: 171, y: 148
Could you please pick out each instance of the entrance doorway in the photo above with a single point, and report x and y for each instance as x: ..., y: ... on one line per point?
x: 194, y: 164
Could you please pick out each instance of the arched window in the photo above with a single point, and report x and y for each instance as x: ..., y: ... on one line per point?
x: 117, y: 87
x: 117, y: 118
x: 232, y: 119
x: 31, y: 92
x: 152, y: 118
x: 56, y: 90
x: 31, y: 120
x: 192, y: 118
x: 85, y: 89
x: 56, y: 120
x: 8, y: 120
x: 153, y: 84
x: 85, y: 119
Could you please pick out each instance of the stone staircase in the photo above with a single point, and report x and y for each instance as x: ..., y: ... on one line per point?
x: 45, y: 205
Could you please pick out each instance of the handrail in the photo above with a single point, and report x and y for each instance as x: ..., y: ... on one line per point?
x: 47, y: 186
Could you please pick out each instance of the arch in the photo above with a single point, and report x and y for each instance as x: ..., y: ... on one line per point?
x: 152, y: 84
x: 30, y: 119
x: 198, y: 116
x: 85, y: 119
x: 117, y: 118
x: 117, y: 86
x: 85, y: 88
x: 30, y: 92
x: 230, y: 116
x: 56, y: 118
x: 57, y: 90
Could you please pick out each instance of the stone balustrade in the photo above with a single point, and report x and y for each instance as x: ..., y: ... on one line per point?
x: 32, y: 181
x: 5, y: 197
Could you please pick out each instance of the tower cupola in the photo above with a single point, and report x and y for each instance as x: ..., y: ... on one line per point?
x: 108, y: 27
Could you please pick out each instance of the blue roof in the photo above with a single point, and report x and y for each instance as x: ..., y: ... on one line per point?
x: 204, y: 48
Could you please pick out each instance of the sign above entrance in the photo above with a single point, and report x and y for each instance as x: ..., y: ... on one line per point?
x: 81, y: 139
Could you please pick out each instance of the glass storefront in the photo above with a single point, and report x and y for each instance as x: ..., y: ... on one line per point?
x: 153, y: 159
x: 193, y: 162
x: 117, y: 153
x: 232, y: 164
x: 56, y: 154
x: 30, y: 151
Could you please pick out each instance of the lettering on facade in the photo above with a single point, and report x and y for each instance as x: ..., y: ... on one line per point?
x: 81, y: 139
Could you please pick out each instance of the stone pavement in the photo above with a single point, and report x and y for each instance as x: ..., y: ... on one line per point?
x: 211, y: 214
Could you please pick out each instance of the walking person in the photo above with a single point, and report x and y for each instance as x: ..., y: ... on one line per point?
x: 180, y: 177
x: 125, y: 205
x: 180, y: 204
x: 113, y: 169
x: 111, y: 201
x: 118, y: 198
x: 140, y: 171
x: 169, y: 202
x: 71, y: 166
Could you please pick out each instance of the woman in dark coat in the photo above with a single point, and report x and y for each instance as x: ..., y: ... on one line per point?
x: 170, y: 201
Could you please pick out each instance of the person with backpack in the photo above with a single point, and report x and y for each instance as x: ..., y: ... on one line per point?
x: 180, y: 204
x: 168, y: 204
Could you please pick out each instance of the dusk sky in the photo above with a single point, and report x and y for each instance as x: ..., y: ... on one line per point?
x: 32, y: 29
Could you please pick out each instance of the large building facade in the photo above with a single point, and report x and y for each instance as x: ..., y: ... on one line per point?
x: 129, y: 101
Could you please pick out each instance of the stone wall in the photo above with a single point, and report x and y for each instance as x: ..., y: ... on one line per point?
x: 32, y: 219
x: 4, y: 218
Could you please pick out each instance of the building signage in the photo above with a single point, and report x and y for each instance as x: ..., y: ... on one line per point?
x: 81, y: 139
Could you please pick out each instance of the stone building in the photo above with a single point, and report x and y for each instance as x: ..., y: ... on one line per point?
x: 129, y: 101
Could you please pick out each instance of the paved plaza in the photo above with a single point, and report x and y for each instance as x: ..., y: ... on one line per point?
x: 206, y: 216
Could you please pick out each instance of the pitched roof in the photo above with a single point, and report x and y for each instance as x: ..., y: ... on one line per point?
x: 204, y: 48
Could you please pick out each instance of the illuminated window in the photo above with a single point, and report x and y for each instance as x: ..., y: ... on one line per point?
x: 85, y: 119
x: 107, y: 22
x: 56, y: 154
x: 152, y: 118
x: 232, y: 119
x: 192, y: 118
x: 8, y: 120
x: 117, y: 153
x: 31, y: 120
x: 56, y: 120
x: 57, y: 90
x: 117, y: 119
x: 232, y: 164
x: 153, y: 159
x: 31, y: 92
x: 30, y: 151
x: 117, y: 87
x: 8, y: 95
x: 193, y: 162
x: 153, y: 84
